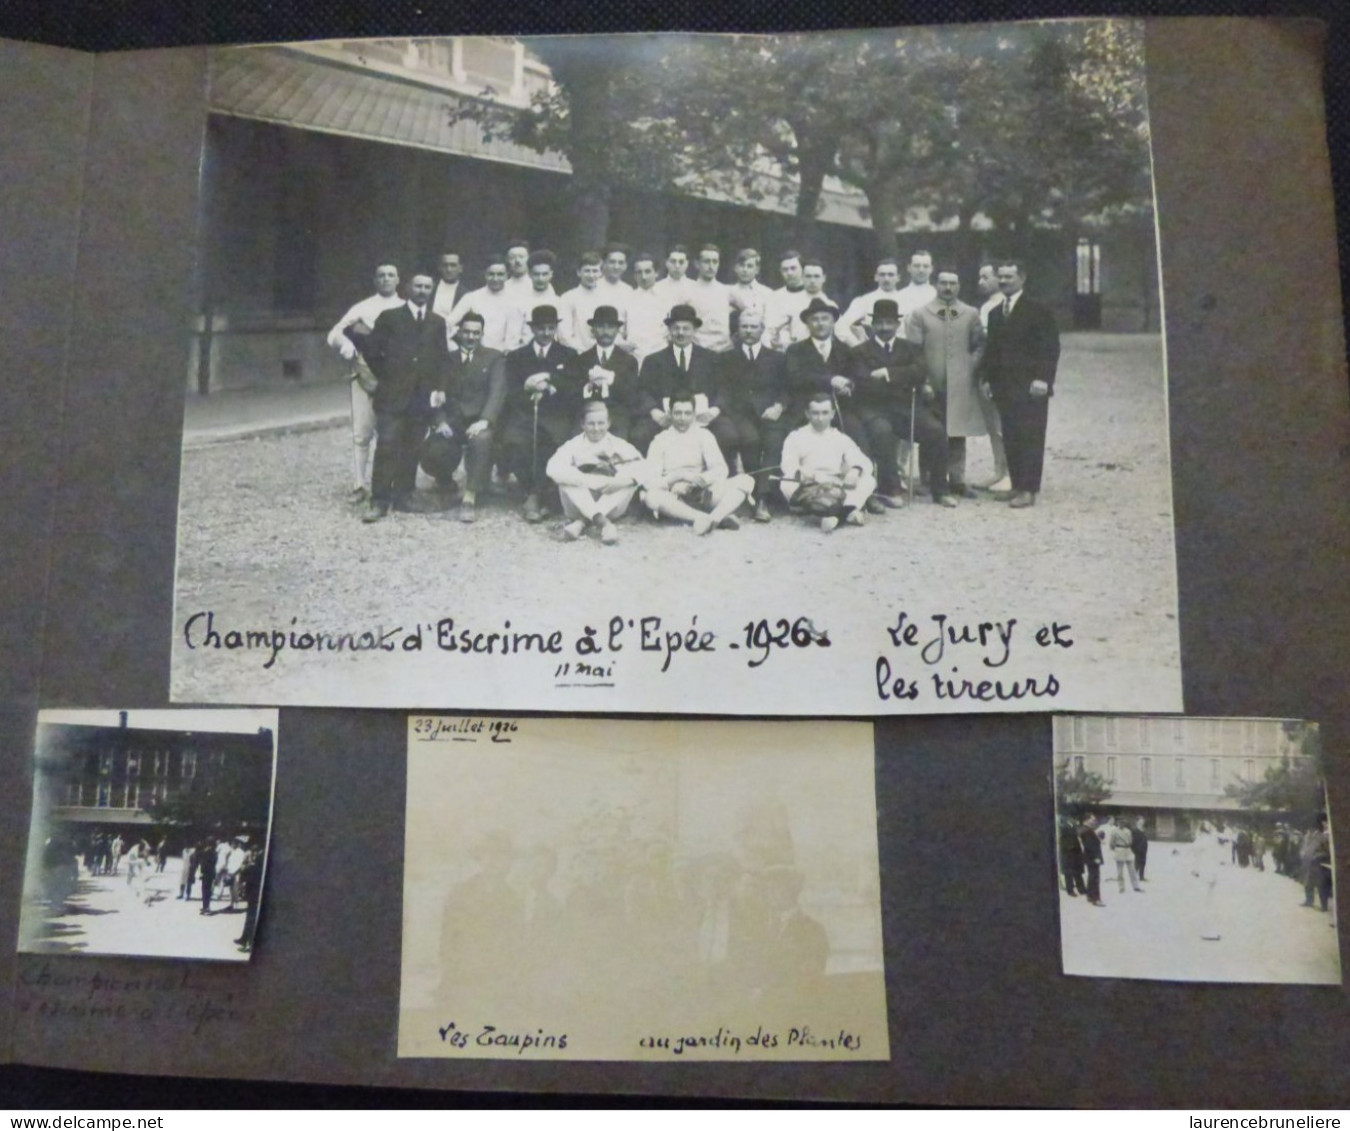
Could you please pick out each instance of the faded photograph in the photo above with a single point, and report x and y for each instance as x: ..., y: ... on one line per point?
x: 1195, y: 850
x: 642, y: 891
x: 787, y: 329
x: 149, y: 833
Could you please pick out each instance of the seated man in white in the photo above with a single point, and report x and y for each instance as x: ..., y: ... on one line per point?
x: 824, y: 472
x: 687, y: 476
x: 597, y: 476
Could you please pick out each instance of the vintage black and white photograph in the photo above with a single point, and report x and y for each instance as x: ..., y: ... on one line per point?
x: 149, y: 833
x: 628, y: 890
x: 743, y: 374
x: 1195, y: 850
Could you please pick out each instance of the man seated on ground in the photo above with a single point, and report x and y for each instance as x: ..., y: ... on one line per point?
x: 824, y: 472
x: 597, y: 475
x: 687, y: 477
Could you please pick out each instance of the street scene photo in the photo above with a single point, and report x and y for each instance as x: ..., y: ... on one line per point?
x: 149, y: 833
x: 597, y: 374
x: 1194, y: 850
x: 637, y: 890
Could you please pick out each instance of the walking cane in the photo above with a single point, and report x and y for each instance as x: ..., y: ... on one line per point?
x: 909, y: 462
x: 534, y: 443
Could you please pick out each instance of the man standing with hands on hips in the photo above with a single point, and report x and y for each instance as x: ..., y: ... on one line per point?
x: 1019, y: 368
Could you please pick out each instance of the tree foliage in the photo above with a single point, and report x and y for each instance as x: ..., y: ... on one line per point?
x: 1027, y: 125
x: 229, y: 792
x: 1293, y: 786
x: 1078, y: 789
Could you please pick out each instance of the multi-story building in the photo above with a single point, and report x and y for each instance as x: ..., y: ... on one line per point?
x: 130, y: 782
x: 1177, y: 770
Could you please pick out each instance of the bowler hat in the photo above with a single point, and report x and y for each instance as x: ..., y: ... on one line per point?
x: 683, y: 312
x: 544, y: 316
x: 817, y: 305
x: 886, y: 308
x: 607, y: 315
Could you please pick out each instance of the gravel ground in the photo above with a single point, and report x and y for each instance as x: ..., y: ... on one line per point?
x: 266, y: 536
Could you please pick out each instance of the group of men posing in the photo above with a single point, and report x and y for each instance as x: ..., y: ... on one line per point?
x: 698, y: 394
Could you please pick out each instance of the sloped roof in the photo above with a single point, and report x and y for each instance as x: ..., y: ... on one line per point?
x: 287, y: 87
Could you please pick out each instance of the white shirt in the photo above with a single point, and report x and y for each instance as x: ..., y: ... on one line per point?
x: 712, y: 301
x: 850, y: 326
x: 565, y: 464
x: 676, y: 455
x: 784, y: 323
x: 519, y: 285
x: 575, y: 310
x: 751, y: 296
x: 646, y: 328
x: 673, y: 291
x: 501, y: 317
x: 911, y: 298
x: 365, y: 311
x: 826, y: 455
x: 527, y: 301
x: 445, y: 296
x: 616, y: 294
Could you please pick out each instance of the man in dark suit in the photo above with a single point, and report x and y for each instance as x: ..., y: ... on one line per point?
x: 820, y: 363
x: 890, y: 380
x: 466, y: 408
x: 541, y: 409
x: 1019, y: 368
x: 749, y: 397
x: 406, y: 350
x: 605, y: 372
x: 683, y: 368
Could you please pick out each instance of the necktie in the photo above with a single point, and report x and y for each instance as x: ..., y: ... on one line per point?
x: 603, y: 356
x: 750, y: 352
x: 418, y: 314
x: 684, y: 364
x: 1007, y: 307
x: 888, y: 349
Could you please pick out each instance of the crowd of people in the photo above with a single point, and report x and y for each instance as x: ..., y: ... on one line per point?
x: 220, y: 866
x: 622, y: 915
x: 1088, y: 842
x: 698, y: 397
x: 224, y: 867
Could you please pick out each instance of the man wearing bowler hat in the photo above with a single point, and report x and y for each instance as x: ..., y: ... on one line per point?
x: 606, y: 372
x: 819, y: 364
x: 888, y: 383
x: 543, y: 404
x: 683, y: 368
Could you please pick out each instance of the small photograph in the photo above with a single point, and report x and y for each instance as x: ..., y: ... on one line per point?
x: 641, y: 891
x: 1194, y: 850
x: 149, y: 833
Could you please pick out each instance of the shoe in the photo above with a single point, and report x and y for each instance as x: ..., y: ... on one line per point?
x: 533, y: 511
x: 1139, y: 890
x: 608, y: 535
x: 1004, y: 496
x: 573, y: 530
x: 998, y: 485
x: 828, y: 523
x: 467, y: 512
x: 855, y: 518
x: 375, y: 512
x: 1096, y: 903
x: 888, y: 501
x: 874, y: 506
x: 944, y: 500
x: 762, y: 512
x: 731, y: 522
x: 702, y: 526
x: 964, y: 491
x: 1022, y: 499
x: 358, y: 495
